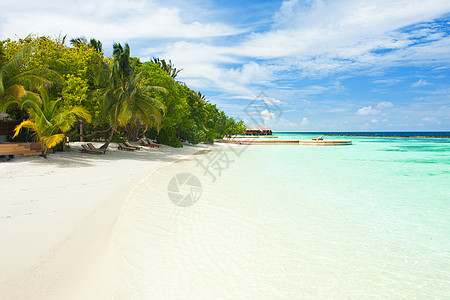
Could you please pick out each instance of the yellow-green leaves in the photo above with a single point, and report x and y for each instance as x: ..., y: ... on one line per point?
x: 48, y: 119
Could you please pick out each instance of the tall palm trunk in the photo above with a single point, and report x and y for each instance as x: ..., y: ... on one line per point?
x: 105, y: 145
x: 81, y: 131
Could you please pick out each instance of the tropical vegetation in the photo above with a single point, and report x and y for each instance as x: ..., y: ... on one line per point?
x: 48, y: 120
x: 74, y: 91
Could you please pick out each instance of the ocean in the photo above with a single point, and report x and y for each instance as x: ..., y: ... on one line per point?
x: 367, y: 220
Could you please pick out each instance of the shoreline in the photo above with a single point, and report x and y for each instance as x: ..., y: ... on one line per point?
x: 58, y: 214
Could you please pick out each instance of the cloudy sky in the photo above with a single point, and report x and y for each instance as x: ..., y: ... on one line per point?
x: 297, y: 65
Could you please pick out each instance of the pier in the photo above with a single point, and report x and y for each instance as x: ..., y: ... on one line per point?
x: 295, y: 142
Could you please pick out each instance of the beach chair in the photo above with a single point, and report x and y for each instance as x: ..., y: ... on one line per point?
x: 147, y: 143
x: 143, y: 142
x: 131, y: 146
x: 320, y: 138
x: 123, y: 147
x: 92, y: 147
x: 85, y: 149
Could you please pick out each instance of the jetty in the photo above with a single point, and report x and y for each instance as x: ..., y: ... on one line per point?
x: 293, y: 142
x: 255, y: 137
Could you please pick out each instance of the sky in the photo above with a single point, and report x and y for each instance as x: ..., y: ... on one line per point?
x: 294, y: 65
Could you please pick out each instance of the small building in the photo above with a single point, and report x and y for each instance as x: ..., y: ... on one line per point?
x: 264, y: 130
x: 258, y: 130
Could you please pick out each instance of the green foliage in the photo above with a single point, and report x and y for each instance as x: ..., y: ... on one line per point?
x: 74, y: 91
x: 16, y: 80
x: 193, y: 134
x: 93, y: 43
x: 168, y: 136
x: 177, y: 109
x: 2, y: 55
x: 48, y: 120
x: 168, y: 67
x: 125, y: 96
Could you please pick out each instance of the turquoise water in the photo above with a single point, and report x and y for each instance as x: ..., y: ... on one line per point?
x: 369, y: 220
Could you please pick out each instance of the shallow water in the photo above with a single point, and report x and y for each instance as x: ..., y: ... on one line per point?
x: 291, y: 222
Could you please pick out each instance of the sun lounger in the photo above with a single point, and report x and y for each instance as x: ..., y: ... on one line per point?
x: 123, y: 147
x: 131, y: 146
x: 92, y: 147
x: 85, y: 149
x: 147, y: 143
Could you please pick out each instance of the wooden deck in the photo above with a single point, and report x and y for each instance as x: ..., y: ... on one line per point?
x: 255, y: 137
x: 25, y: 149
x: 326, y: 142
x: 296, y: 142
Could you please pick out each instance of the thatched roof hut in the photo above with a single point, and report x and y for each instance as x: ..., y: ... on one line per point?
x: 258, y: 130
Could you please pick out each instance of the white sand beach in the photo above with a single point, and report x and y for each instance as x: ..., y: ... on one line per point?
x: 57, y: 215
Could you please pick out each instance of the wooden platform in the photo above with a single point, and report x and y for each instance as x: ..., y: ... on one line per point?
x: 297, y: 142
x: 255, y: 137
x: 326, y: 142
x: 25, y: 149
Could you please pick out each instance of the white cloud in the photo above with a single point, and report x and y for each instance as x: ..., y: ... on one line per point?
x: 353, y: 30
x: 305, y: 122
x: 272, y: 101
x: 385, y: 104
x: 431, y: 120
x: 109, y: 21
x: 390, y: 81
x: 419, y: 83
x: 300, y: 41
x: 301, y: 44
x: 267, y: 115
x: 374, y: 121
x: 367, y: 110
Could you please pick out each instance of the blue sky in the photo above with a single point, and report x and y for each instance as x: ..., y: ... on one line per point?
x: 348, y: 65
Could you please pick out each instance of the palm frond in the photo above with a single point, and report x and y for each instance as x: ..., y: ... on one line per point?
x: 79, y: 41
x: 6, y: 103
x: 53, y: 140
x: 36, y: 78
x: 80, y: 112
x: 15, y: 63
x: 25, y: 124
x: 15, y: 91
x: 155, y: 89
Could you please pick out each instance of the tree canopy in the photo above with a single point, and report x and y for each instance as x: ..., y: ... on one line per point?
x: 124, y: 97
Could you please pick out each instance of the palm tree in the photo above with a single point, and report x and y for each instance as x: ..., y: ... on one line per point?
x: 77, y: 42
x: 125, y: 99
x: 15, y: 83
x: 97, y: 45
x: 48, y: 120
x: 93, y: 43
x: 169, y: 68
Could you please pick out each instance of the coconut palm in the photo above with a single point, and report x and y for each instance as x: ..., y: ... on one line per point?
x: 15, y: 83
x: 125, y: 98
x: 97, y: 45
x: 48, y: 120
x: 169, y: 68
x: 93, y: 43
